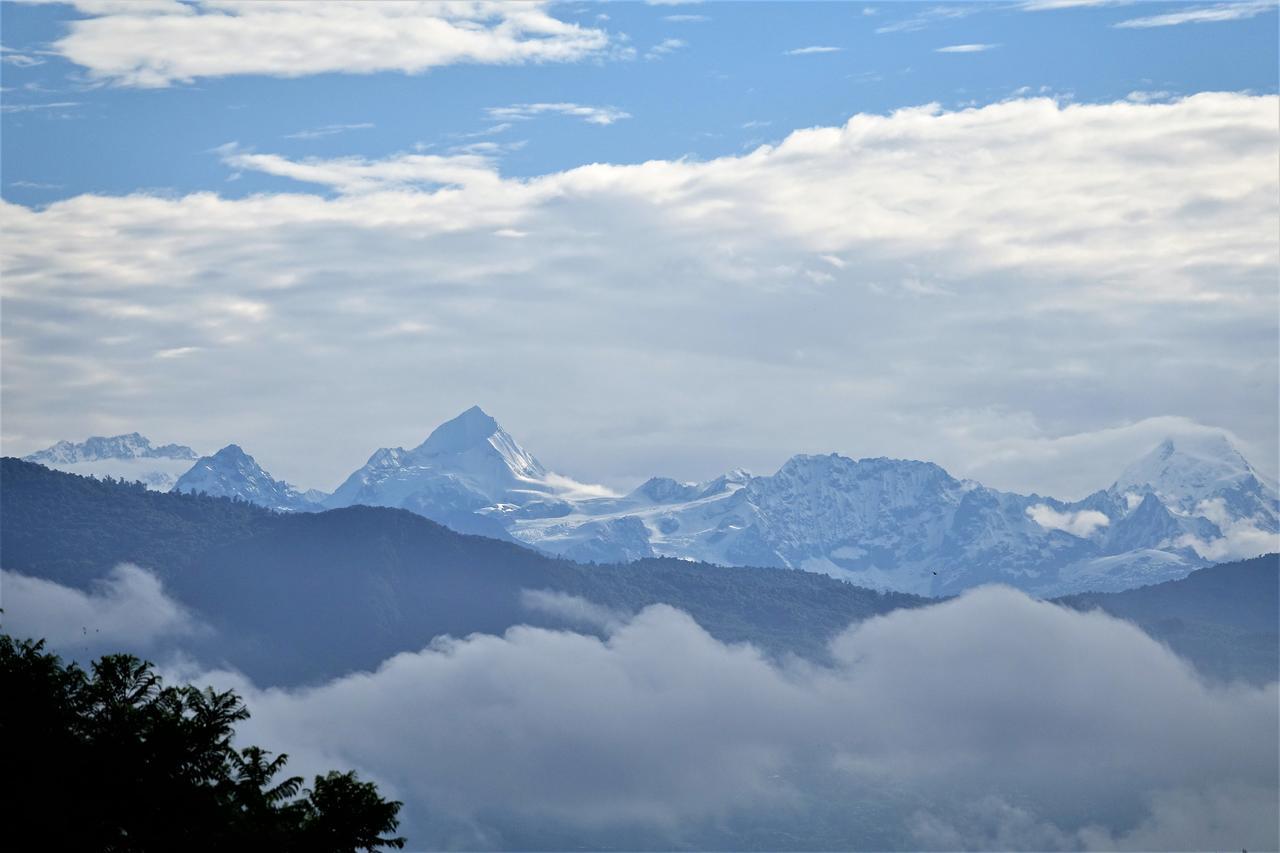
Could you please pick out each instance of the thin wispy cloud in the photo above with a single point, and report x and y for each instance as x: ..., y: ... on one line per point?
x: 966, y: 48
x: 1049, y: 5
x: 328, y: 130
x: 590, y: 114
x: 492, y: 130
x: 31, y: 108
x: 1216, y: 13
x: 19, y: 60
x: 665, y: 47
x: 928, y: 17
x: 815, y: 48
x: 35, y: 185
x: 686, y: 19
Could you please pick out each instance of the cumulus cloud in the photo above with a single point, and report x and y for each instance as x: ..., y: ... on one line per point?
x: 1241, y: 537
x: 1215, y: 13
x: 589, y: 114
x: 128, y: 610
x: 1004, y: 290
x: 158, y: 44
x: 1081, y: 523
x: 992, y: 719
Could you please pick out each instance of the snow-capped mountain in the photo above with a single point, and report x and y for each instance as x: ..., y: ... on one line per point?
x: 1192, y: 473
x: 884, y: 523
x: 232, y: 473
x: 130, y: 457
x: 467, y: 464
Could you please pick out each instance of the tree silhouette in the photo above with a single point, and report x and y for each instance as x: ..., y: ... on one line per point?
x: 117, y: 761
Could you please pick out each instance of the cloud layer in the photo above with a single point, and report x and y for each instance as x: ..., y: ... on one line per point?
x: 126, y: 611
x: 161, y: 43
x: 980, y: 288
x: 991, y: 720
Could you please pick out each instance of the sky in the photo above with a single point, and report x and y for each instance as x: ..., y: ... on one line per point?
x: 1025, y: 240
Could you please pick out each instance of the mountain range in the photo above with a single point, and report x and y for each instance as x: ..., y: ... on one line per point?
x: 296, y: 598
x: 885, y: 524
x: 128, y: 457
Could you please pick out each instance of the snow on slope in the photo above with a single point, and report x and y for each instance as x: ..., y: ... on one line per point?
x: 910, y: 526
x: 130, y: 457
x: 466, y: 464
x: 883, y: 523
x: 232, y: 473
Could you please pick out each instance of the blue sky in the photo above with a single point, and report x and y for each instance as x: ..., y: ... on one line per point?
x: 730, y: 85
x: 1025, y: 240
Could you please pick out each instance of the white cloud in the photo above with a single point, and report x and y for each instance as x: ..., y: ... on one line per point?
x: 31, y: 108
x: 571, y: 610
x: 813, y: 48
x: 1082, y: 523
x: 1144, y: 97
x: 1241, y: 537
x: 589, y: 114
x: 992, y: 719
x: 358, y: 175
x: 1105, y: 265
x: 126, y: 611
x: 686, y: 19
x: 161, y: 44
x: 665, y: 47
x: 1049, y: 5
x: 328, y: 130
x: 930, y: 15
x: 966, y: 48
x: 19, y: 60
x: 1215, y: 13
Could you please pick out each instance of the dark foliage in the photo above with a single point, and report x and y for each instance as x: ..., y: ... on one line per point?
x: 1223, y: 619
x: 113, y: 760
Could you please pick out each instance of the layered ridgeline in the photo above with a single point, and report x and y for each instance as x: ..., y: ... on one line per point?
x: 129, y: 457
x: 881, y: 523
x: 292, y: 598
x: 296, y: 597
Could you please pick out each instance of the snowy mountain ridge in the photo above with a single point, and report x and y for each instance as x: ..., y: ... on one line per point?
x: 883, y: 523
x: 129, y: 457
x: 232, y: 473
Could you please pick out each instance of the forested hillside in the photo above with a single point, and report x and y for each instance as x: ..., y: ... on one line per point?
x: 300, y: 597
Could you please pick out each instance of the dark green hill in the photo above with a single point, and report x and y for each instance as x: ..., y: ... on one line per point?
x: 1223, y: 618
x: 300, y: 597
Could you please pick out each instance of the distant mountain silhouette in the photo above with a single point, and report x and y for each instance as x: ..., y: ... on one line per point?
x: 299, y: 597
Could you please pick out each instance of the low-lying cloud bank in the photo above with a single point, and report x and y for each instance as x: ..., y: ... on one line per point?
x: 992, y: 720
x: 127, y: 611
